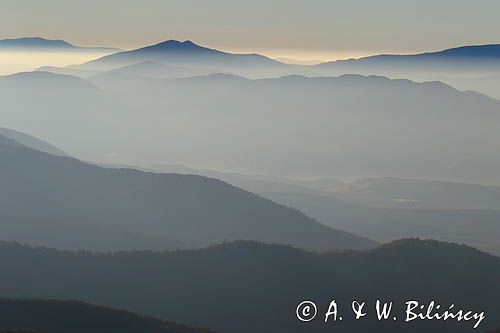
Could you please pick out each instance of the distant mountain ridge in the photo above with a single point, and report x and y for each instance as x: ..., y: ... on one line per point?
x: 235, y: 107
x: 35, y: 42
x: 184, y: 53
x: 475, y: 67
x: 476, y: 52
x: 47, y: 44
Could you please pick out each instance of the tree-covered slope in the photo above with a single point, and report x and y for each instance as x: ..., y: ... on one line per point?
x: 51, y: 316
x: 251, y: 287
x: 193, y: 210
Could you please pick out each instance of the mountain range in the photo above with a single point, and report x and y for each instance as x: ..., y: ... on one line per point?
x: 48, y: 316
x: 432, y: 130
x: 185, y: 54
x: 482, y: 54
x: 170, y: 51
x: 475, y: 67
x: 478, y: 52
x: 238, y: 287
x: 237, y: 251
x: 43, y: 44
x: 60, y: 201
x: 383, y: 209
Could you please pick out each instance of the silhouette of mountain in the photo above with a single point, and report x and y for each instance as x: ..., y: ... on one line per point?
x: 194, y: 210
x: 31, y: 142
x: 383, y: 209
x: 179, y: 53
x: 491, y: 51
x: 33, y: 80
x: 467, y: 67
x: 349, y: 126
x: 478, y: 53
x: 462, y: 67
x: 45, y: 316
x: 236, y: 287
x: 31, y: 99
x: 366, y: 118
x: 38, y: 43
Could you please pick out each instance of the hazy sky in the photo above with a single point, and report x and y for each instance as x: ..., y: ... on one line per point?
x: 322, y: 29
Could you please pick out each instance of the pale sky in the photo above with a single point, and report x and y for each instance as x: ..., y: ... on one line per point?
x: 312, y: 29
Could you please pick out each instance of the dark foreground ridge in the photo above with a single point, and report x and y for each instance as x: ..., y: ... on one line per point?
x: 249, y: 287
x: 51, y: 316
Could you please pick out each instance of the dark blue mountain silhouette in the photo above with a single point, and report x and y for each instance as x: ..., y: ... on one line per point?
x: 476, y: 53
x: 178, y: 47
x: 184, y: 53
x: 43, y: 43
x: 35, y: 42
